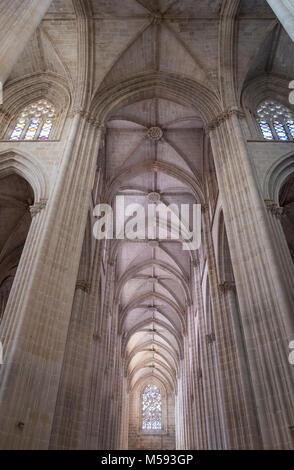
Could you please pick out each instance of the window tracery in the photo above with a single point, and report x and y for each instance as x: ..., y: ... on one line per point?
x: 151, y: 408
x: 276, y: 121
x: 35, y: 122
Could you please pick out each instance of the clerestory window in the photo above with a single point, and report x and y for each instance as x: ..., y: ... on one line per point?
x: 276, y: 121
x: 35, y: 122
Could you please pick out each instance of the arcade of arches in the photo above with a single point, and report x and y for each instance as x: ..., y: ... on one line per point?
x: 137, y: 343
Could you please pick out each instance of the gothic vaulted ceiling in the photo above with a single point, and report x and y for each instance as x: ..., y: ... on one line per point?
x: 152, y: 286
x: 135, y: 36
x: 128, y: 39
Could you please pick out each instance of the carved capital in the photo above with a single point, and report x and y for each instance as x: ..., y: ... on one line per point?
x: 96, y: 123
x: 272, y: 207
x: 224, y: 116
x: 204, y: 208
x: 78, y: 111
x: 89, y: 118
x: 226, y: 286
x: 38, y: 207
x: 210, y: 338
x: 83, y: 285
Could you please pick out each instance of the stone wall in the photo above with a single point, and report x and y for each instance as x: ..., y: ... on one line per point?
x: 161, y: 441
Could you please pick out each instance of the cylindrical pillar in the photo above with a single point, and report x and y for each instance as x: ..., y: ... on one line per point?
x: 266, y: 304
x: 35, y: 325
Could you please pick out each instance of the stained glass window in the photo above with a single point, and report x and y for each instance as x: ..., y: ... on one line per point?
x: 266, y: 130
x: 45, y: 131
x: 35, y: 122
x: 280, y: 131
x: 275, y: 121
x: 18, y: 130
x: 32, y: 129
x: 151, y: 408
x: 290, y: 125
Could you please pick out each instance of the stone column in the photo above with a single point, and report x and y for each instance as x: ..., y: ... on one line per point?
x: 113, y: 344
x: 124, y: 415
x: 209, y: 333
x: 18, y: 21
x: 70, y: 418
x: 35, y: 325
x: 200, y: 416
x: 284, y: 10
x: 236, y: 397
x: 266, y: 304
x: 117, y: 397
x: 192, y: 371
x: 98, y: 405
x: 180, y: 422
x: 186, y: 393
x: 67, y: 431
x: 214, y: 412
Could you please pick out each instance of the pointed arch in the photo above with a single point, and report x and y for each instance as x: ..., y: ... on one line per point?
x: 13, y: 161
x: 22, y: 92
x: 170, y: 86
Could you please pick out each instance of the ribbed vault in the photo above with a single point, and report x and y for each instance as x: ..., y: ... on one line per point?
x: 152, y: 277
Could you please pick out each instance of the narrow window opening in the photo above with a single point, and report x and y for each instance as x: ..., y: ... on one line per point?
x: 151, y: 408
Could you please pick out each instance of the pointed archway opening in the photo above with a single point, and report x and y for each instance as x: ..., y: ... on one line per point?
x: 286, y: 201
x: 16, y: 197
